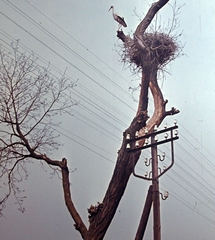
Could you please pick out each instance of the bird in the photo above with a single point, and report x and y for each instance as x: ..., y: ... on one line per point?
x: 117, y: 18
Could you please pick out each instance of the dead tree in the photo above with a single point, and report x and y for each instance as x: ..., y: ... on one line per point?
x: 30, y: 99
x: 149, y: 52
x: 25, y: 139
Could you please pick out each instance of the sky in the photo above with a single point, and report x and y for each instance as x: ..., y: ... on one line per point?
x: 80, y: 36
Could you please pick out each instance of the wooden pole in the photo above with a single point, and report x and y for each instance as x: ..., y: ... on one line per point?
x: 145, y: 215
x: 156, y: 195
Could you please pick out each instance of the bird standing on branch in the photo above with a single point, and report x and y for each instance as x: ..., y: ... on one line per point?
x: 119, y: 19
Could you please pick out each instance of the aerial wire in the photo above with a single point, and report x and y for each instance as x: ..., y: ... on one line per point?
x: 64, y: 45
x: 119, y: 99
x: 77, y: 41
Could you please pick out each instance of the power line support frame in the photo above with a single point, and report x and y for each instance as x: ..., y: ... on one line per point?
x: 155, y: 176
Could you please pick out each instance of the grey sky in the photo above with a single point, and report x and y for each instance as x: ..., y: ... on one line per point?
x: 81, y: 36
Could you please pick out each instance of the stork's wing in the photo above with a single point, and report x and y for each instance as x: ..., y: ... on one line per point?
x: 122, y: 21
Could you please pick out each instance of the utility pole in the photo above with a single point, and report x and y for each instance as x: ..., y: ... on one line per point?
x: 156, y: 173
x: 156, y: 195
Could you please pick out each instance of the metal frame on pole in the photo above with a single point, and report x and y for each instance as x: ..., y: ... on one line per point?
x: 156, y: 174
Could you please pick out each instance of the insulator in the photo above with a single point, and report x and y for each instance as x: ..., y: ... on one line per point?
x: 166, y: 194
x: 165, y: 125
x: 128, y: 136
x: 175, y: 122
x: 155, y: 128
x: 166, y: 135
x: 136, y: 144
x: 146, y: 130
x: 146, y: 141
x: 146, y: 174
x: 128, y: 146
x: 176, y: 132
x: 136, y: 134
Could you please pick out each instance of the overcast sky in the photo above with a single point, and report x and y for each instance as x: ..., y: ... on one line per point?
x: 81, y: 36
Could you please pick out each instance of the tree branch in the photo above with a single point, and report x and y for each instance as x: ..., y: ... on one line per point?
x: 123, y: 37
x: 141, y: 28
x: 79, y: 225
x: 159, y: 107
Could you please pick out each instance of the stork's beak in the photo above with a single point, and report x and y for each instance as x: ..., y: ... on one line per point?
x: 110, y: 8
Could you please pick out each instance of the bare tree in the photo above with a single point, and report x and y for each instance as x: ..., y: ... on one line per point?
x: 30, y: 97
x: 27, y: 132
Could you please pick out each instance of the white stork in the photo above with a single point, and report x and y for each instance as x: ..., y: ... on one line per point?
x: 119, y: 19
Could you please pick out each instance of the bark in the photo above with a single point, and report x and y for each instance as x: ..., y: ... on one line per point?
x: 145, y: 215
x: 79, y: 225
x: 141, y: 28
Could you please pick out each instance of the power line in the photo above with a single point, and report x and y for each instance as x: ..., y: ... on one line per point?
x: 119, y: 113
x: 197, y: 162
x: 181, y: 200
x: 209, y: 162
x: 90, y: 149
x: 82, y: 139
x: 72, y: 37
x: 110, y: 134
x: 65, y: 46
x: 93, y: 80
x: 180, y: 166
x: 188, y: 183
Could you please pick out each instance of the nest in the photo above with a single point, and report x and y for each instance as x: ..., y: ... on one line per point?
x: 159, y: 49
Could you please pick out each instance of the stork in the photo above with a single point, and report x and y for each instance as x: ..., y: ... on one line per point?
x: 117, y: 18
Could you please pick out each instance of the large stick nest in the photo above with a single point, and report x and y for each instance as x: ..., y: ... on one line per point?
x: 159, y: 49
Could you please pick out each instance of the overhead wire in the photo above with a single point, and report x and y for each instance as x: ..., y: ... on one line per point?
x: 101, y: 100
x: 84, y: 140
x: 56, y: 128
x: 65, y: 46
x: 100, y: 108
x: 196, y: 190
x: 90, y: 149
x: 207, y: 186
x: 199, y: 153
x: 70, y: 49
x: 97, y: 115
x: 188, y: 205
x: 191, y: 170
x: 196, y: 161
x: 69, y: 62
x: 72, y: 37
x: 119, y: 113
